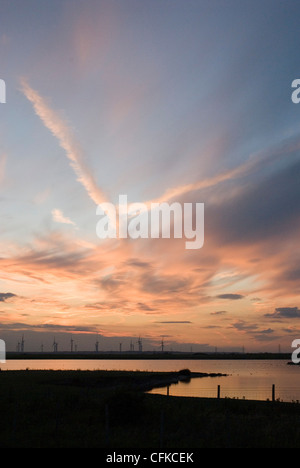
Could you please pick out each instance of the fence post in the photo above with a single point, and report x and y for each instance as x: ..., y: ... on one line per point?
x: 273, y: 392
x: 219, y: 391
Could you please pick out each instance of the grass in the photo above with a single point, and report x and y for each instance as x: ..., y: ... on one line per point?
x: 94, y: 409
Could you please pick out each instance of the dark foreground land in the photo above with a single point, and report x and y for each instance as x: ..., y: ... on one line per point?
x: 108, y: 409
x: 144, y: 355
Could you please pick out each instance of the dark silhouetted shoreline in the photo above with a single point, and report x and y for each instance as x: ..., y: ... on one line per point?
x: 144, y: 355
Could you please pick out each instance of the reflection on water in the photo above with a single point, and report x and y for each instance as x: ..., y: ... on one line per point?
x: 249, y: 379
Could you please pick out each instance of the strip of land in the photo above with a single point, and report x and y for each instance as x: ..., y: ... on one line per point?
x: 144, y: 355
x: 108, y: 409
x: 128, y: 380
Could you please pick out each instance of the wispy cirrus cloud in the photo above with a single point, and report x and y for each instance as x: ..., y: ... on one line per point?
x: 59, y: 217
x: 67, y: 141
x: 255, y: 163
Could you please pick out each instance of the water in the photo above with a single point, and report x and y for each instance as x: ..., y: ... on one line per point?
x: 249, y: 379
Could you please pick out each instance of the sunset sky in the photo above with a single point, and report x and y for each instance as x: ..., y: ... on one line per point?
x: 169, y: 100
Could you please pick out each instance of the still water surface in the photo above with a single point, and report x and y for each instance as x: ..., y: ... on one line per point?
x: 249, y: 379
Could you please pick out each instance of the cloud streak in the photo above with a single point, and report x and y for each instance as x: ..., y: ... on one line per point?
x: 230, y: 297
x: 285, y: 313
x: 175, y: 321
x: 63, y: 134
x: 59, y: 217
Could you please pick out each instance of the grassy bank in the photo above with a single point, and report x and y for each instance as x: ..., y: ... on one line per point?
x: 57, y: 409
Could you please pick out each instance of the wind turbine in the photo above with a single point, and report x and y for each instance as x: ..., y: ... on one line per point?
x: 22, y: 344
x: 55, y: 345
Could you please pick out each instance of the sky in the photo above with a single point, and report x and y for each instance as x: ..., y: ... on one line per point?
x: 169, y: 100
